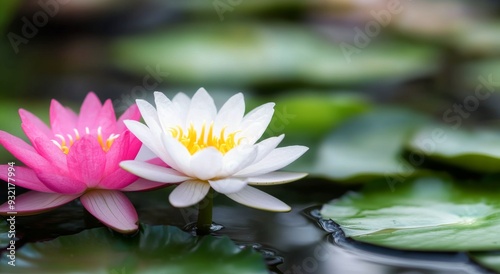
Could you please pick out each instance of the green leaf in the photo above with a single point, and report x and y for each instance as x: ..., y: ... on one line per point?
x: 490, y: 260
x: 368, y: 146
x: 477, y: 150
x: 243, y: 54
x: 157, y: 249
x: 422, y: 214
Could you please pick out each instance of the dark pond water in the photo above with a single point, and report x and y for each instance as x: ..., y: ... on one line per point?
x: 297, y: 242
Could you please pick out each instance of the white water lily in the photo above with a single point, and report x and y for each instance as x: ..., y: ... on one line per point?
x: 203, y: 148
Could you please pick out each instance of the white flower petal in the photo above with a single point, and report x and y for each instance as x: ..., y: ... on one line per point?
x: 188, y: 193
x: 201, y: 110
x: 177, y: 153
x: 206, y: 163
x: 255, y: 123
x: 143, y: 133
x: 228, y: 185
x: 145, y: 154
x: 231, y: 114
x: 182, y: 101
x: 181, y: 104
x: 153, y: 172
x: 266, y: 146
x: 148, y: 138
x: 237, y: 159
x: 275, y: 160
x: 275, y: 178
x: 255, y: 198
x: 167, y: 113
x: 149, y: 114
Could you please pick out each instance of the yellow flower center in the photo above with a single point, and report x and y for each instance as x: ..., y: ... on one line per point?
x: 195, y: 141
x: 65, y: 143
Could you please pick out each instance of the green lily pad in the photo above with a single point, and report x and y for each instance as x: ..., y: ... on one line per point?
x: 157, y: 249
x: 477, y: 150
x: 480, y: 76
x: 368, y: 146
x: 422, y: 214
x: 242, y: 54
x: 297, y: 113
x: 490, y: 260
x: 480, y: 38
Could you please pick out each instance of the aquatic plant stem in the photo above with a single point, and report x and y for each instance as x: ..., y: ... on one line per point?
x: 205, y: 214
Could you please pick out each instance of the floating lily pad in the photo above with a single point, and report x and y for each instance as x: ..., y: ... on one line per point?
x: 241, y: 54
x: 422, y: 214
x: 490, y: 260
x: 480, y: 78
x: 368, y: 146
x: 480, y: 38
x: 297, y: 113
x: 473, y: 150
x: 157, y: 249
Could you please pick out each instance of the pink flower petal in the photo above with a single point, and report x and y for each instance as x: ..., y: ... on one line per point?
x: 62, y: 120
x: 24, y: 177
x: 143, y: 184
x: 134, y: 146
x: 51, y: 152
x: 35, y: 121
x: 118, y: 179
x: 117, y: 152
x: 112, y: 208
x: 106, y: 119
x: 132, y: 113
x: 89, y: 111
x: 36, y: 202
x: 57, y: 181
x: 41, y: 141
x: 87, y: 160
x: 21, y: 150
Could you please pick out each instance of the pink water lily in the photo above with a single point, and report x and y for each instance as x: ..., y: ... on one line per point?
x: 77, y: 157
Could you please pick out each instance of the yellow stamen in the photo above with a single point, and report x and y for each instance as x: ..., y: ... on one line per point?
x: 195, y: 142
x: 64, y: 146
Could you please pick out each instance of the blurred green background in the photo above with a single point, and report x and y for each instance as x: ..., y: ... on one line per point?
x: 321, y: 61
